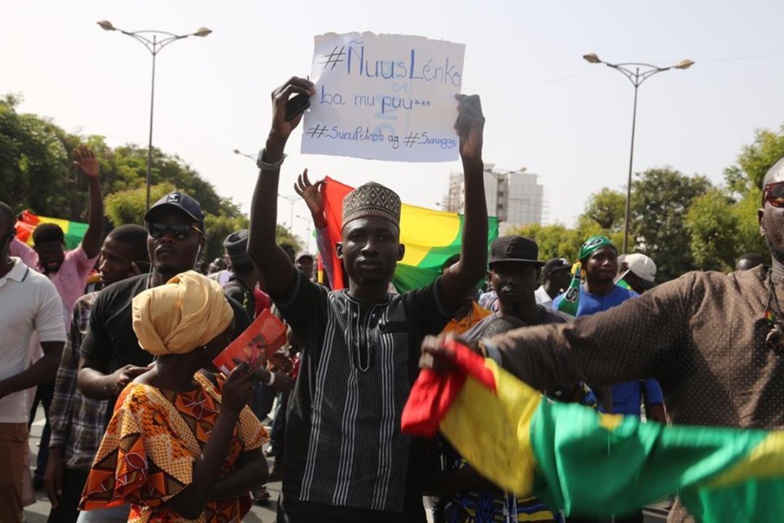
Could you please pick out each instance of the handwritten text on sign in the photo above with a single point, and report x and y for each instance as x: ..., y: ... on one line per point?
x: 384, y: 97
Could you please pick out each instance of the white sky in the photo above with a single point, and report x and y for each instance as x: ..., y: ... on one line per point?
x: 546, y: 108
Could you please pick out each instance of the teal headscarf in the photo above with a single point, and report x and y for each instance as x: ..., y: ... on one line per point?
x: 593, y: 244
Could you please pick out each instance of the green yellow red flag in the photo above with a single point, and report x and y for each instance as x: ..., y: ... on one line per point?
x: 590, y: 464
x: 430, y: 238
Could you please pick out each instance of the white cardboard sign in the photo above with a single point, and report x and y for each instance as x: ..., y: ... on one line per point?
x: 384, y: 97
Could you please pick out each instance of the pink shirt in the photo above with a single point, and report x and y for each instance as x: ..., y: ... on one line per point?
x: 69, y: 281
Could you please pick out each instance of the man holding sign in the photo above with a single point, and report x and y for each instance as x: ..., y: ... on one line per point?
x: 346, y: 458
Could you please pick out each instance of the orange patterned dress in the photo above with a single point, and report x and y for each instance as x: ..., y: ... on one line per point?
x: 146, y: 456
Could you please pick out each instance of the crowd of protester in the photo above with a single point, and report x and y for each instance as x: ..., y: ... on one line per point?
x: 115, y: 339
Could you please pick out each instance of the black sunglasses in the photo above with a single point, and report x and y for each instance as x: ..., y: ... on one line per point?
x: 773, y: 193
x: 179, y: 230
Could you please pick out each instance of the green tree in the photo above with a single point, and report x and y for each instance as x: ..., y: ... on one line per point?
x: 216, y: 230
x: 749, y: 238
x: 606, y: 209
x: 660, y: 200
x: 554, y: 241
x: 754, y: 161
x: 283, y: 235
x: 34, y: 162
x: 713, y: 227
x: 129, y: 206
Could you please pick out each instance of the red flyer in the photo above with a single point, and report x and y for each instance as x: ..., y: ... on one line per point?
x: 261, y: 340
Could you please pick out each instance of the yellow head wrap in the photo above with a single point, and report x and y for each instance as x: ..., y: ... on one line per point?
x: 186, y: 313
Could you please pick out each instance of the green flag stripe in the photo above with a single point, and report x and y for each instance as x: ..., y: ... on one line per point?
x: 589, y: 467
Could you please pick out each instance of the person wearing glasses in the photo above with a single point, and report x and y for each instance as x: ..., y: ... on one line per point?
x: 110, y: 353
x: 714, y: 341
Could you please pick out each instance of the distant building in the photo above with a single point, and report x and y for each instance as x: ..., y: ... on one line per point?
x: 516, y: 197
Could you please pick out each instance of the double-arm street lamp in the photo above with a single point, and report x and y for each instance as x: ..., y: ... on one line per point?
x: 637, y: 73
x: 154, y: 42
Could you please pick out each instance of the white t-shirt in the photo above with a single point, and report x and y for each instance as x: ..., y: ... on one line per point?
x: 29, y: 304
x: 542, y: 298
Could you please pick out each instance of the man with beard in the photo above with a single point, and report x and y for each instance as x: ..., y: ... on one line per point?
x: 68, y: 270
x: 714, y: 341
x: 346, y: 458
x: 78, y: 423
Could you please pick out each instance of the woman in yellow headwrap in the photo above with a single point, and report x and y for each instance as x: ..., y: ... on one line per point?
x: 177, y: 448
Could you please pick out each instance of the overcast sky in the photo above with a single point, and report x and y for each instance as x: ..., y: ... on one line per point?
x: 546, y: 108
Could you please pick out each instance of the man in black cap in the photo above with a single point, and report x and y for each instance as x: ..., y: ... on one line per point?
x: 555, y: 280
x: 346, y: 458
x: 514, y: 272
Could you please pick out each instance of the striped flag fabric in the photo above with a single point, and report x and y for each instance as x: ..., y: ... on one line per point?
x: 27, y: 222
x: 590, y: 464
x: 430, y: 238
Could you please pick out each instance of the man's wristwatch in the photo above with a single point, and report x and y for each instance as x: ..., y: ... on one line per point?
x: 266, y: 166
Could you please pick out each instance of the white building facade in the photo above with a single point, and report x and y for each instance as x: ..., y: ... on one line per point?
x: 515, y: 197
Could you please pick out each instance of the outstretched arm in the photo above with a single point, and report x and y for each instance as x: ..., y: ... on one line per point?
x: 271, y: 261
x: 465, y: 274
x: 87, y: 164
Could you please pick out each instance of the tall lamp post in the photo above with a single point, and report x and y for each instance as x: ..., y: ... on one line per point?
x: 308, y: 222
x: 154, y: 42
x: 637, y: 73
x: 291, y: 199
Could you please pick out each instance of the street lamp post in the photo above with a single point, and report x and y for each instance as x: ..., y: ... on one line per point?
x: 637, y: 73
x: 291, y: 199
x: 154, y: 42
x: 308, y: 222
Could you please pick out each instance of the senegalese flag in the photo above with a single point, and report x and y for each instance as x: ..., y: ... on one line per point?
x: 27, y: 222
x: 430, y: 238
x: 590, y: 464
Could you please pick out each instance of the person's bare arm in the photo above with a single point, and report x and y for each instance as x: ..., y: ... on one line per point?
x: 271, y: 261
x: 465, y: 274
x: 250, y: 472
x: 94, y: 383
x: 87, y: 164
x: 39, y: 372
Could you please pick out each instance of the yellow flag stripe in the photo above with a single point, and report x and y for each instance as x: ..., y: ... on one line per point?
x: 478, y: 425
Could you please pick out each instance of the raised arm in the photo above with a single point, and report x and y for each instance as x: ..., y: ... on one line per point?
x: 273, y: 264
x: 314, y: 198
x: 86, y: 163
x: 465, y: 274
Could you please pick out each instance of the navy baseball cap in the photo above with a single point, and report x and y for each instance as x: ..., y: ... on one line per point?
x: 180, y: 202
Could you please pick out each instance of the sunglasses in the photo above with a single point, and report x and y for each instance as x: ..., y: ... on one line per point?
x: 179, y: 230
x: 773, y: 193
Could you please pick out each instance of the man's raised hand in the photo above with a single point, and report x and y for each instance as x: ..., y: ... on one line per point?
x: 281, y: 128
x: 85, y: 162
x: 470, y: 126
x: 311, y: 193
